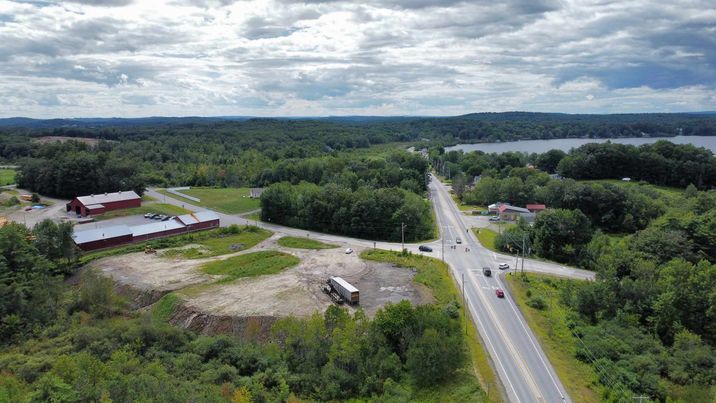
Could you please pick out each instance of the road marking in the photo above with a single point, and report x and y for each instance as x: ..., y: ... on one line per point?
x: 532, y: 341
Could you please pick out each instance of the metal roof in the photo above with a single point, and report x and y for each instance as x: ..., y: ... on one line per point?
x: 108, y: 197
x: 94, y: 206
x: 515, y: 209
x: 155, y: 227
x: 99, y: 234
x: 343, y: 283
x: 195, y: 218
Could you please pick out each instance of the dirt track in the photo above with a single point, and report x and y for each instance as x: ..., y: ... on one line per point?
x: 295, y: 291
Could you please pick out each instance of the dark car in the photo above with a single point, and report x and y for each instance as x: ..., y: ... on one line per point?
x: 458, y: 240
x: 425, y: 248
x: 487, y: 271
x: 500, y: 293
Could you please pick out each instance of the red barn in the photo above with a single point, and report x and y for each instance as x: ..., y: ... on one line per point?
x: 201, y: 220
x: 101, y: 238
x: 98, y: 204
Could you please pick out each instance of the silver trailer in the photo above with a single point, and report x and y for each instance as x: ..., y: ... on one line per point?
x: 344, y: 289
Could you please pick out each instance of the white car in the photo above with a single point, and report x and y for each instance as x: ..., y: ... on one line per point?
x: 504, y: 266
x: 349, y: 251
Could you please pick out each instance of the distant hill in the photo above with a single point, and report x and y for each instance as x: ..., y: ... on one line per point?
x: 474, y: 127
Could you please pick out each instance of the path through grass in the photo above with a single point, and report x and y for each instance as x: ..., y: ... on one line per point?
x: 225, y: 200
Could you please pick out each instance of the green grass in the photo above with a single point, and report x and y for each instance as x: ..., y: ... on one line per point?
x: 435, y: 275
x: 466, y: 207
x: 7, y: 177
x: 304, y: 243
x: 551, y: 328
x: 253, y: 216
x: 486, y: 237
x: 222, y: 244
x: 164, y: 308
x: 159, y: 208
x: 250, y: 265
x: 163, y: 243
x: 226, y: 200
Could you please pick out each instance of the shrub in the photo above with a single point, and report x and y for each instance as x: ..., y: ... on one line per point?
x: 537, y: 303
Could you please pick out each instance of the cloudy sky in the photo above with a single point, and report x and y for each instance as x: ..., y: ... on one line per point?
x: 132, y: 58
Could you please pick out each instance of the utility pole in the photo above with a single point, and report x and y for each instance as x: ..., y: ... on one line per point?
x: 523, y: 252
x: 402, y: 235
x: 464, y: 304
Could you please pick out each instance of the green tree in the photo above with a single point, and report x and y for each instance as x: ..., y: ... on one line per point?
x: 560, y: 234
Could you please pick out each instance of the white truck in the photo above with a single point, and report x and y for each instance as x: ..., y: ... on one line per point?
x: 344, y: 289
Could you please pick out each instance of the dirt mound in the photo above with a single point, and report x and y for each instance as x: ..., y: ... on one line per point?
x: 248, y: 328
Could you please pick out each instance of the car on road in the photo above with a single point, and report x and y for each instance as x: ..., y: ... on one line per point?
x: 500, y: 293
x: 425, y: 248
x: 349, y: 251
x: 458, y: 240
x: 149, y: 215
x: 159, y: 217
x: 487, y: 271
x: 495, y: 218
x: 504, y: 266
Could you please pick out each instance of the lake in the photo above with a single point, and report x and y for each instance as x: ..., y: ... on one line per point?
x: 540, y: 146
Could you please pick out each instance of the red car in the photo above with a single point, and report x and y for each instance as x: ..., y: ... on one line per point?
x: 500, y: 293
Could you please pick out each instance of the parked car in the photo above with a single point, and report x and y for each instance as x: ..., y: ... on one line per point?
x: 159, y: 217
x: 425, y: 248
x: 166, y: 218
x: 149, y: 215
x: 500, y: 293
x: 504, y: 266
x: 495, y: 218
x: 349, y: 251
x: 458, y: 240
x: 487, y: 271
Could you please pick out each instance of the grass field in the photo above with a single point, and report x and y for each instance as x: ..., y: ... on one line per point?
x: 466, y: 207
x: 164, y: 308
x: 226, y: 200
x: 7, y: 177
x: 551, y: 328
x: 304, y: 243
x: 221, y: 245
x: 486, y: 237
x: 435, y: 275
x: 251, y: 265
x: 159, y: 208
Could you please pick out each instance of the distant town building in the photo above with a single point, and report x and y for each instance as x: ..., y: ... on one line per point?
x: 535, y: 208
x: 98, y: 204
x: 495, y: 207
x: 256, y: 193
x: 513, y: 213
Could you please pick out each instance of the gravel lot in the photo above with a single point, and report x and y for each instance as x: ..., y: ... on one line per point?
x: 295, y: 291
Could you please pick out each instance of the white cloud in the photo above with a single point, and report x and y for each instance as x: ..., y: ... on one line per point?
x: 320, y: 57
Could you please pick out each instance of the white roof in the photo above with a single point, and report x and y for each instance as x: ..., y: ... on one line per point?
x: 195, y: 218
x: 98, y: 234
x: 344, y: 284
x: 516, y: 209
x: 155, y: 227
x: 94, y: 206
x: 108, y: 197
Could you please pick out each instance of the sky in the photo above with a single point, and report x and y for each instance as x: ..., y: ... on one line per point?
x: 132, y: 58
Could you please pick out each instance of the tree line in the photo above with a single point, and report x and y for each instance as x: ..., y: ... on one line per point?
x: 369, y: 213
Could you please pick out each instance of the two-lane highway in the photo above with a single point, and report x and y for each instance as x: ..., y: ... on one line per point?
x: 522, y: 366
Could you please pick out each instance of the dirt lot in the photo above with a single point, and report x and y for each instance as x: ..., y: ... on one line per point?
x: 295, y: 291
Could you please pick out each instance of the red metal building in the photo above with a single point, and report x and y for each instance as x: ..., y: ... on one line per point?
x: 98, y: 204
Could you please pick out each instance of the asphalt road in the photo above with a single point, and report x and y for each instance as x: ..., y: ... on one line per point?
x: 522, y: 366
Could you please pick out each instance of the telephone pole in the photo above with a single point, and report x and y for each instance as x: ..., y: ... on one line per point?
x: 402, y: 235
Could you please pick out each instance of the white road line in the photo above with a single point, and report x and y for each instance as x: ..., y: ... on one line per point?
x: 534, y: 345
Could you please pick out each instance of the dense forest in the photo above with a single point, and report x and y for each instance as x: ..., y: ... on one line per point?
x: 64, y: 343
